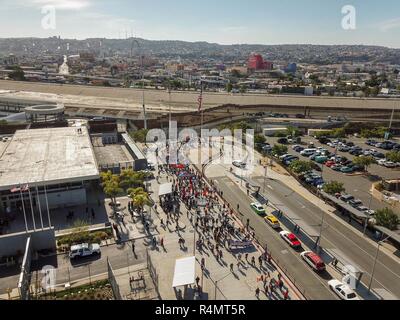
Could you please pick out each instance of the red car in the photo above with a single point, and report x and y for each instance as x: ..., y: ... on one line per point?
x: 313, y: 260
x: 291, y: 239
x: 330, y: 163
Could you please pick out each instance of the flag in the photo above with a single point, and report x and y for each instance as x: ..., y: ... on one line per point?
x: 200, y: 99
x: 15, y: 189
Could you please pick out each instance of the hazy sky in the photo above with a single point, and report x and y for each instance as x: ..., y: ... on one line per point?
x: 221, y: 21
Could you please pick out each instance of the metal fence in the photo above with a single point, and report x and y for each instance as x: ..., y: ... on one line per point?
x: 113, y: 281
x: 153, y: 272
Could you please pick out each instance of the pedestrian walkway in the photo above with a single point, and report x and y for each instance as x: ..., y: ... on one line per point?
x: 225, y: 274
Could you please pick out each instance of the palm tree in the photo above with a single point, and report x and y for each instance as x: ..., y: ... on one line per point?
x: 112, y: 189
x: 140, y: 198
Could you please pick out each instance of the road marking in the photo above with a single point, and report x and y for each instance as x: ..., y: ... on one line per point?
x: 284, y: 251
x: 270, y: 187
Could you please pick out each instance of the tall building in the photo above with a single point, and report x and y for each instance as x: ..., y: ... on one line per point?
x: 256, y: 62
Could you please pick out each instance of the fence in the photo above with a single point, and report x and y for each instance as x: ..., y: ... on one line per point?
x: 153, y: 272
x: 113, y: 281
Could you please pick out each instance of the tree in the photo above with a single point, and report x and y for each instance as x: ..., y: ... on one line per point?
x: 131, y: 179
x: 387, y: 218
x: 393, y: 156
x: 334, y: 187
x: 300, y: 167
x: 140, y: 135
x: 279, y: 150
x: 292, y: 131
x: 17, y: 74
x: 229, y: 87
x: 364, y: 162
x: 259, y: 139
x: 140, y: 198
x: 110, y: 184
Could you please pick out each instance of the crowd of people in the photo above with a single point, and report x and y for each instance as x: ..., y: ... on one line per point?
x: 214, y: 224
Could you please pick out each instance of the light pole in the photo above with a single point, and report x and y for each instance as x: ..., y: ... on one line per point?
x: 374, y: 266
x: 369, y: 209
x: 216, y: 284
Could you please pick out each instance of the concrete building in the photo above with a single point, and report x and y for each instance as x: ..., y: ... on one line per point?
x: 47, y: 168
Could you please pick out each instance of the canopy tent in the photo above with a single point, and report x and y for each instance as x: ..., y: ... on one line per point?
x: 165, y: 189
x: 184, y: 273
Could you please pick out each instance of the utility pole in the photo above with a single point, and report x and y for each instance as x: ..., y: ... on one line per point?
x: 144, y: 104
x: 374, y: 266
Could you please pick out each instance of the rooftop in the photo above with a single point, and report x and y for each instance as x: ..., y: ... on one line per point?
x: 47, y: 156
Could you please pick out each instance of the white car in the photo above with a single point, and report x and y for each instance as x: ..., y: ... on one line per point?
x: 84, y: 250
x: 389, y: 164
x: 381, y: 162
x: 343, y: 291
x: 239, y: 164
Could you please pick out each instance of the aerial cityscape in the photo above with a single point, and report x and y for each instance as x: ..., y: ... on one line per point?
x: 138, y: 163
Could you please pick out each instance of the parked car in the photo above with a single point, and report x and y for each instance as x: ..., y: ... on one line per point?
x: 291, y: 239
x: 378, y: 155
x: 321, y: 159
x: 273, y: 221
x: 370, y: 142
x: 390, y: 164
x: 346, y: 197
x: 336, y: 167
x: 239, y: 164
x: 258, y: 208
x: 343, y: 291
x: 346, y: 169
x: 84, y: 250
x: 308, y: 152
x: 330, y: 163
x: 289, y: 160
x: 283, y: 141
x: 313, y: 260
x: 355, y: 203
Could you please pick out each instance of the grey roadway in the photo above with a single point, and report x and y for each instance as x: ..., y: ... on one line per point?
x: 337, y: 235
x: 315, y: 286
x: 118, y: 255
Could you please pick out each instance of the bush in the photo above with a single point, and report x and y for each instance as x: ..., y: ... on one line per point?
x: 299, y: 166
x: 393, y: 156
x: 334, y: 187
x: 387, y: 218
x: 279, y: 149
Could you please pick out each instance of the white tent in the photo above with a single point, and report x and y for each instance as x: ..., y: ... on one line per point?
x: 165, y: 189
x: 184, y: 272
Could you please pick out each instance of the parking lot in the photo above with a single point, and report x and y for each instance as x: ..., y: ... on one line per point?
x: 357, y: 183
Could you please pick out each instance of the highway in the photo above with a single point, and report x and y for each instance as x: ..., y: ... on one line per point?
x: 337, y: 235
x: 315, y: 286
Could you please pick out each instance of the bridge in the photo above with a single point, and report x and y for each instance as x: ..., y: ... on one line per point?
x: 127, y: 103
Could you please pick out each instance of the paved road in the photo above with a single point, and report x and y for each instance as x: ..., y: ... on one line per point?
x: 337, y: 235
x: 67, y: 271
x: 316, y: 287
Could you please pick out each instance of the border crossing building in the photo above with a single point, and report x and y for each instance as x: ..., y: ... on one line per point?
x: 46, y: 169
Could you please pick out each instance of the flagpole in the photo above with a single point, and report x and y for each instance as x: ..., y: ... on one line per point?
x: 47, y: 204
x: 40, y: 207
x: 33, y: 214
x: 23, y: 208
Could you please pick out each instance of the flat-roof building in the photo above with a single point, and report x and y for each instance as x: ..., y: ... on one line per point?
x: 52, y: 167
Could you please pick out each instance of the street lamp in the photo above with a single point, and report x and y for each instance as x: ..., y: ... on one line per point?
x: 216, y: 284
x: 374, y: 266
x: 369, y: 209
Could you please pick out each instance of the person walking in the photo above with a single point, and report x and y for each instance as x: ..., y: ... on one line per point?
x: 247, y: 257
x: 253, y: 261
x: 231, y: 266
x: 258, y: 293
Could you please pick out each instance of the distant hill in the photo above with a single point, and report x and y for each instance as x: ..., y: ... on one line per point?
x: 302, y: 53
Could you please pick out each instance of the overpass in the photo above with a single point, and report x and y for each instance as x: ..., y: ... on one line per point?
x: 127, y: 103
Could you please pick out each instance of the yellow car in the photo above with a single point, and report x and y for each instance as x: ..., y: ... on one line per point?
x: 273, y: 222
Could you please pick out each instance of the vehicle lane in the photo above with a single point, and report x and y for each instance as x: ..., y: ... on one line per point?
x: 316, y: 287
x: 336, y: 235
